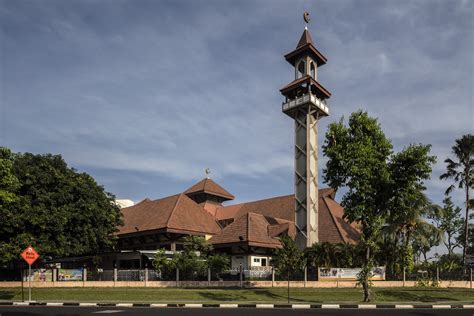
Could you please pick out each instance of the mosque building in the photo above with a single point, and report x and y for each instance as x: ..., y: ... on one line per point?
x: 249, y: 232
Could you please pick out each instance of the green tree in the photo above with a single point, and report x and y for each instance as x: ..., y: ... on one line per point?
x: 8, y: 188
x: 381, y: 187
x: 358, y: 157
x: 218, y: 263
x: 449, y: 221
x: 160, y: 262
x: 461, y: 171
x: 287, y: 259
x: 408, y: 205
x: 58, y: 210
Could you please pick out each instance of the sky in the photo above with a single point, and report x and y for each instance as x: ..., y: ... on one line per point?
x: 145, y: 95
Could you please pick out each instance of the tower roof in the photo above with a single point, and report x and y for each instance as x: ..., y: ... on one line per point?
x: 305, y: 39
x: 208, y: 186
x: 306, y: 46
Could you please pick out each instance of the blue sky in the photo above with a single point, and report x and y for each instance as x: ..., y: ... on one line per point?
x: 144, y: 95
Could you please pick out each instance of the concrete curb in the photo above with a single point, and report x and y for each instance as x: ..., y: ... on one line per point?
x: 265, y: 306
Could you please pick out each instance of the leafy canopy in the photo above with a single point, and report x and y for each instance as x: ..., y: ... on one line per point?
x: 58, y: 210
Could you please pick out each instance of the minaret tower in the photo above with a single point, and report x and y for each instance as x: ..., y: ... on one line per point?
x: 306, y: 102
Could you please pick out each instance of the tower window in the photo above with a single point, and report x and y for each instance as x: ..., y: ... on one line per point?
x: 312, y: 70
x: 301, y: 70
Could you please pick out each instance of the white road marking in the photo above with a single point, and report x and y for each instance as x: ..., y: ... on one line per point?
x: 109, y: 311
x: 229, y: 305
x: 296, y: 306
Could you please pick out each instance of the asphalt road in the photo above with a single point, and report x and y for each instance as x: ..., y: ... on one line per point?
x: 64, y: 311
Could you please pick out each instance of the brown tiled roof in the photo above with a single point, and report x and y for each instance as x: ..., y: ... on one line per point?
x: 210, y: 187
x: 254, y: 230
x: 332, y: 227
x: 350, y: 233
x: 173, y: 213
x: 279, y: 207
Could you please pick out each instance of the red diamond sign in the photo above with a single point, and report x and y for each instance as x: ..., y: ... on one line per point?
x: 30, y: 255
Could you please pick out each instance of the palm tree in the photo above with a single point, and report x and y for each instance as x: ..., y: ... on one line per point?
x: 462, y: 172
x: 405, y: 227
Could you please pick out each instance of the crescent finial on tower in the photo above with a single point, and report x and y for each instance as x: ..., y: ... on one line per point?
x: 306, y: 19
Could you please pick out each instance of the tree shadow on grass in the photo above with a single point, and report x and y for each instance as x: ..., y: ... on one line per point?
x: 414, y: 297
x: 6, y: 295
x: 250, y: 295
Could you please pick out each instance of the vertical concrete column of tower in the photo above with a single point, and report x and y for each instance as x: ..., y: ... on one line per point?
x: 306, y: 102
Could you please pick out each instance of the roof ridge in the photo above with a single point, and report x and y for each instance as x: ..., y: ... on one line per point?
x: 334, y: 220
x: 174, y: 209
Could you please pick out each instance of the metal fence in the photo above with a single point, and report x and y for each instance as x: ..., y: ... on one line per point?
x: 259, y: 274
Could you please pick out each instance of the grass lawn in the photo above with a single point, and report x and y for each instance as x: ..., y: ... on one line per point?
x: 221, y: 295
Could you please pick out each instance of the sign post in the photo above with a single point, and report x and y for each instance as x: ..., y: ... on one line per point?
x: 30, y: 256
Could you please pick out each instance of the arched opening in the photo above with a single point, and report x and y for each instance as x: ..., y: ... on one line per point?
x: 312, y: 70
x: 301, y: 69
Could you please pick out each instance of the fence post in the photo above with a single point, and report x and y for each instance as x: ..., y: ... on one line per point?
x: 208, y: 276
x: 305, y: 275
x: 404, y: 277
x: 470, y: 278
x: 115, y: 274
x: 240, y: 268
x: 146, y: 275
x: 273, y: 276
x: 177, y: 277
x: 84, y: 276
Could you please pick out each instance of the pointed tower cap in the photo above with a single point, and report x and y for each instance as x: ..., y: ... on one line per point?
x: 305, y: 39
x: 306, y: 46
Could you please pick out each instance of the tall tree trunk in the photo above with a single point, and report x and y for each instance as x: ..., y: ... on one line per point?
x: 466, y: 225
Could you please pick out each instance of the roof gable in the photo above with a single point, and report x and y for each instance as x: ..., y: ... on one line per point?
x: 332, y: 226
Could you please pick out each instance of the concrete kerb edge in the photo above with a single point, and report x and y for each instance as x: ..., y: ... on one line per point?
x: 262, y: 306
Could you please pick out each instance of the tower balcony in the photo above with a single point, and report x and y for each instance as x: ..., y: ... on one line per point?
x: 319, y: 105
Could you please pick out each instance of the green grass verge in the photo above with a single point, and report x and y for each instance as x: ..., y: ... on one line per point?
x: 221, y: 295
